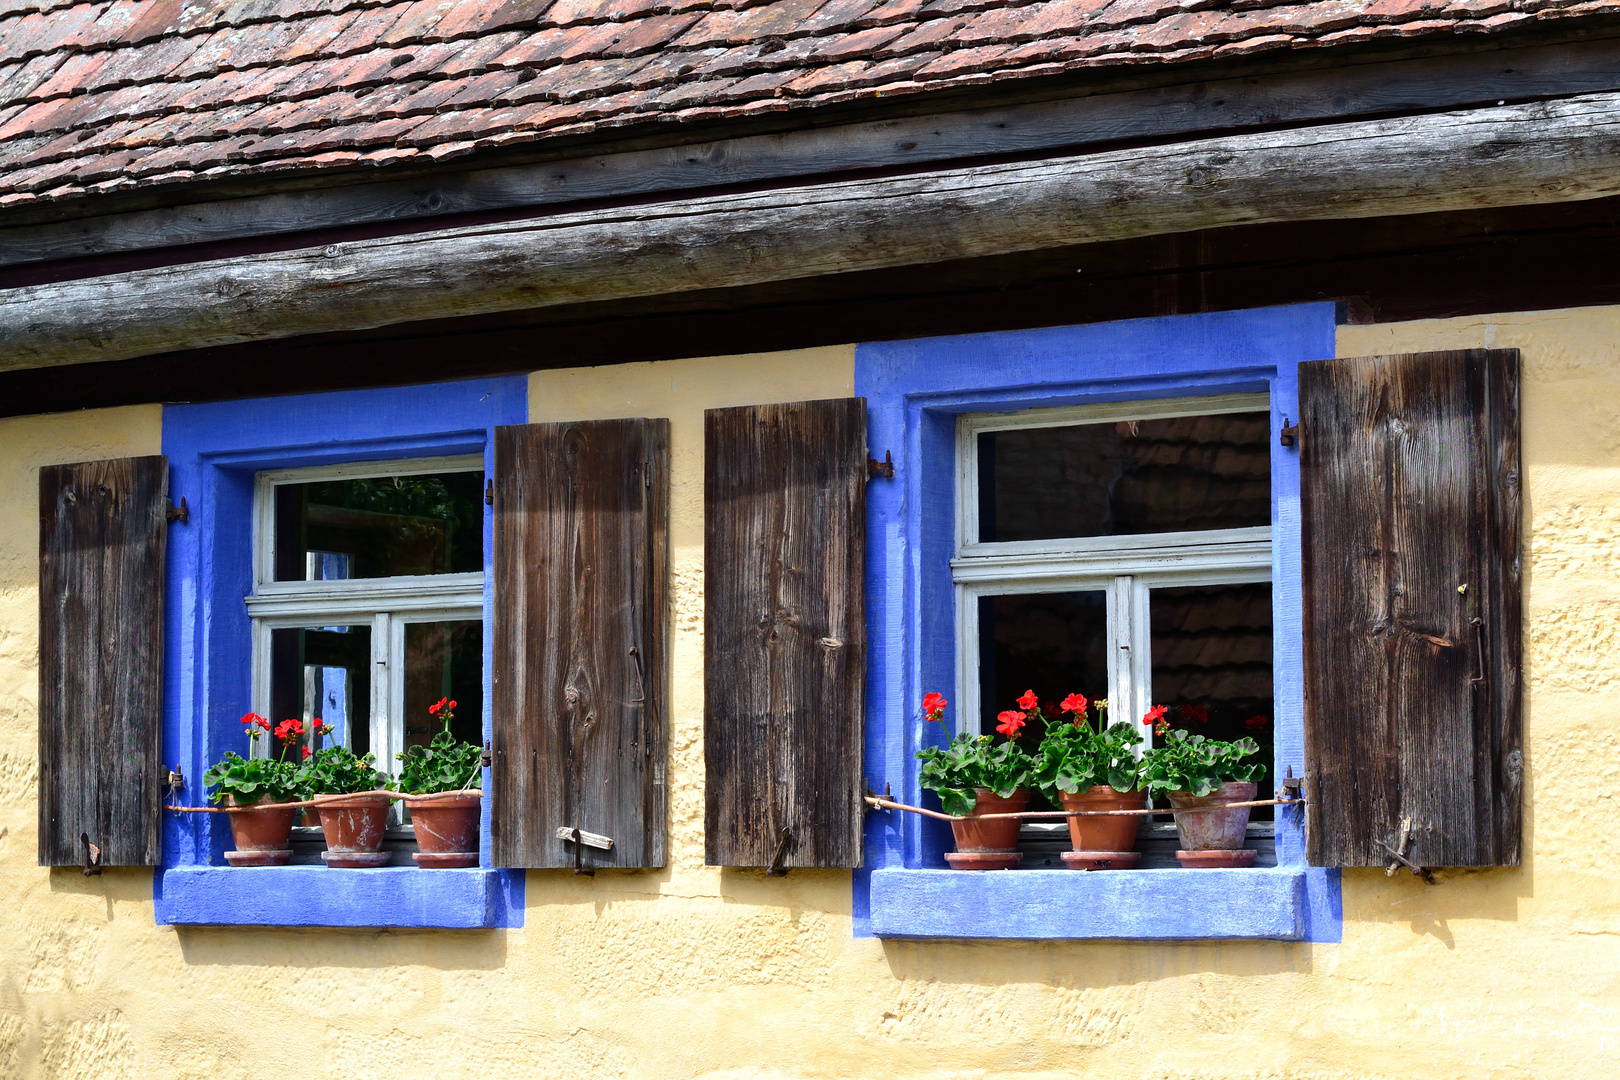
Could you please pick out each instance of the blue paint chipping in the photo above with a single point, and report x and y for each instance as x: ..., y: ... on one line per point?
x: 214, y: 451
x: 915, y: 390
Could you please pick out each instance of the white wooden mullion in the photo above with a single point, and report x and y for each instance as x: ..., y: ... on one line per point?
x: 1136, y: 595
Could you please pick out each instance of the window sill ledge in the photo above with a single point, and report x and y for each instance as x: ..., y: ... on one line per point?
x: 1148, y: 905
x: 474, y: 899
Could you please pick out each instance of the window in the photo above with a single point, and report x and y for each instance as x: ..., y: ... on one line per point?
x: 1102, y: 505
x: 368, y: 599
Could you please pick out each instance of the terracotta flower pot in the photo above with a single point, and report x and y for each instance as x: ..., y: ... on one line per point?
x: 261, y: 836
x: 312, y: 817
x: 354, y: 826
x: 446, y: 829
x: 988, y: 845
x: 1216, y: 831
x: 1113, y: 834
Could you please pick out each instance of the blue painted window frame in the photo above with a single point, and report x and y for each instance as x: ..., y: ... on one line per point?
x: 915, y: 390
x: 214, y: 451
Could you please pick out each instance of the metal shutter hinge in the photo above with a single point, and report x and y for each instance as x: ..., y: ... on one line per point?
x: 486, y: 757
x: 1289, y: 434
x: 489, y: 492
x: 884, y: 468
x: 181, y: 513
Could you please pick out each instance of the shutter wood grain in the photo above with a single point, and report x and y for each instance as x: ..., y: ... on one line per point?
x: 580, y: 673
x: 784, y: 632
x: 1409, y: 469
x: 103, y: 539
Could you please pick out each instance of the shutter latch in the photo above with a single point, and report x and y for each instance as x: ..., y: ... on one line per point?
x: 1289, y: 434
x: 776, y: 867
x: 181, y: 513
x: 582, y: 840
x: 1402, y: 839
x: 884, y: 468
x: 92, y: 857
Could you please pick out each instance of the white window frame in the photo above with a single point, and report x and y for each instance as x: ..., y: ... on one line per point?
x: 387, y: 604
x: 1126, y: 567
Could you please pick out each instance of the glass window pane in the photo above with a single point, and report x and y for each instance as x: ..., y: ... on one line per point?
x: 324, y: 672
x: 1135, y: 476
x: 385, y: 526
x: 1053, y: 643
x: 444, y: 660
x: 1212, y: 651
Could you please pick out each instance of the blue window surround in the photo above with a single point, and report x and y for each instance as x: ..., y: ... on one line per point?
x: 914, y: 392
x: 214, y: 451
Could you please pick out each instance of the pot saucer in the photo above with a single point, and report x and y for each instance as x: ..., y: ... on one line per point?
x: 1204, y: 860
x: 259, y: 858
x: 445, y: 860
x: 356, y: 860
x: 1102, y: 860
x: 983, y: 860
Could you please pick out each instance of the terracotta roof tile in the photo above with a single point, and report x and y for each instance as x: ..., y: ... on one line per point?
x: 115, y: 94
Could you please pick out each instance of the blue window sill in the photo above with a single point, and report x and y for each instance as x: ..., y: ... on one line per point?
x: 1150, y: 905
x: 398, y: 896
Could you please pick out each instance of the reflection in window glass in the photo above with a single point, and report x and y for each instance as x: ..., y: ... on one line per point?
x: 385, y: 526
x: 1053, y: 643
x: 443, y: 660
x: 325, y: 673
x: 1134, y: 476
x: 1212, y: 651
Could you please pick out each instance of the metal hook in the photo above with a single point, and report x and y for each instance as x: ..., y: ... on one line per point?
x: 776, y: 868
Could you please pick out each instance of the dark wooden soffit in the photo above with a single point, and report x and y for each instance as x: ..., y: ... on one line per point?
x: 1114, y: 107
x: 1566, y: 150
x: 1424, y: 266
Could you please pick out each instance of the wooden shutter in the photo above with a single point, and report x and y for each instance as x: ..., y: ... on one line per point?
x: 784, y: 632
x: 103, y: 536
x: 1410, y: 484
x: 580, y: 642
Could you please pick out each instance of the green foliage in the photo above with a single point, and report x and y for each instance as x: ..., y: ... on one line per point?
x: 1075, y: 756
x: 447, y: 764
x: 1198, y: 765
x: 337, y: 770
x: 969, y: 762
x: 251, y: 778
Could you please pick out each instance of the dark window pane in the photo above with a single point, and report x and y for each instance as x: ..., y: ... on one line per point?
x: 1212, y: 651
x: 387, y: 526
x: 324, y: 673
x: 444, y: 660
x: 1052, y: 643
x: 1133, y: 476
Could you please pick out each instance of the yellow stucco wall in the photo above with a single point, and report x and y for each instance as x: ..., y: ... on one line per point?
x: 697, y: 972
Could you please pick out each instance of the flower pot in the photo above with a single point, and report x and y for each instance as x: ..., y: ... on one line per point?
x: 354, y: 826
x: 312, y: 817
x: 988, y: 845
x: 446, y: 829
x: 1215, y: 837
x: 261, y: 836
x: 1103, y: 834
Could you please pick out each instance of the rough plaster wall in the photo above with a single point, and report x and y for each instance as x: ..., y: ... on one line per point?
x: 693, y: 972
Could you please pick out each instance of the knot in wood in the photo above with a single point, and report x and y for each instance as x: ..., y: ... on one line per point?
x: 571, y: 695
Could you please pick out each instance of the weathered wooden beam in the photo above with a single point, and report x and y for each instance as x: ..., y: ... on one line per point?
x: 1560, y: 150
x: 1070, y: 124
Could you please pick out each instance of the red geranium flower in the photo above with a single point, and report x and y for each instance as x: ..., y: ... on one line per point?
x: 262, y: 721
x: 288, y: 729
x: 1195, y: 714
x: 1075, y: 703
x: 1028, y: 701
x: 308, y: 752
x: 1256, y: 722
x: 1010, y: 723
x: 1156, y: 718
x: 933, y: 707
x: 440, y: 705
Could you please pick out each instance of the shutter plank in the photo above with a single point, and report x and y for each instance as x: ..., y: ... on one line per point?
x: 580, y: 642
x: 103, y: 537
x: 1410, y: 488
x: 784, y: 632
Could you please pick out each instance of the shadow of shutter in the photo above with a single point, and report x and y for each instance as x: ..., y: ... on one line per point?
x: 784, y: 632
x: 580, y: 640
x: 103, y: 536
x: 1410, y: 485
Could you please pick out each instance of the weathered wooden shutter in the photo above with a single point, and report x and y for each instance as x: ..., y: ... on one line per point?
x: 580, y: 642
x: 784, y: 632
x: 103, y: 536
x: 1410, y: 482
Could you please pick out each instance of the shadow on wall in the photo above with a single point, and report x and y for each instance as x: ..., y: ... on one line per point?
x: 360, y: 950
x: 125, y: 885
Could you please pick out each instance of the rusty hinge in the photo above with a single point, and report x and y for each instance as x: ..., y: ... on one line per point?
x: 1289, y: 435
x: 180, y: 513
x: 486, y: 756
x: 776, y: 868
x: 489, y: 492
x: 884, y: 468
x: 92, y: 857
x: 176, y: 784
x: 1293, y: 791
